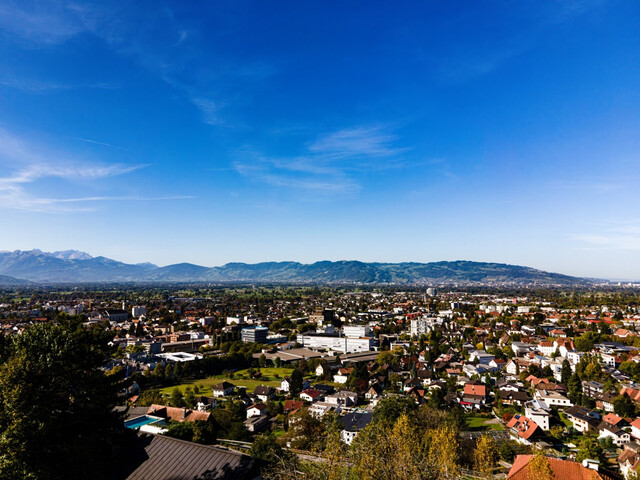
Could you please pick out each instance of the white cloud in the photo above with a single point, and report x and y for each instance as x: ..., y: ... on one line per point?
x: 27, y: 164
x: 356, y: 143
x: 328, y: 163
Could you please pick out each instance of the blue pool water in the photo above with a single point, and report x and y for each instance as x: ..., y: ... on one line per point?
x: 144, y: 420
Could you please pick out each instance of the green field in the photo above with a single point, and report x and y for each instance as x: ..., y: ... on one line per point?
x: 483, y: 423
x: 241, y: 378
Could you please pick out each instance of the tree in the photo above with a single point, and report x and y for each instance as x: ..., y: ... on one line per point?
x: 584, y: 343
x: 306, y: 432
x: 557, y: 431
x: 589, y: 448
x: 388, y: 410
x: 205, y: 432
x: 539, y: 468
x: 436, y: 400
x: 266, y: 448
x: 485, y: 456
x: 177, y: 398
x: 443, y: 451
x: 181, y: 430
x: 56, y: 405
x: 189, y: 398
x: 565, y: 372
x: 150, y: 397
x: 575, y: 389
x: 624, y: 406
x: 296, y: 382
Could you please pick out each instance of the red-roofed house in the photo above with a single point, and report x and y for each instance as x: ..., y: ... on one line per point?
x: 310, y: 395
x: 523, y: 430
x: 177, y: 414
x: 633, y: 393
x: 474, y: 395
x: 562, y: 469
x: 558, y: 333
x: 614, y: 419
x: 535, y: 381
x: 628, y: 461
x: 624, y: 333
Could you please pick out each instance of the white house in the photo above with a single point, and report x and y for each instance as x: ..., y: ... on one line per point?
x: 223, y: 389
x: 353, y: 423
x: 635, y: 428
x: 343, y: 398
x: 618, y: 435
x: 552, y: 398
x: 256, y: 410
x: 538, y: 412
x: 546, y: 348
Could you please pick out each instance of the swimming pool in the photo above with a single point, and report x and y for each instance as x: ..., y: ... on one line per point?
x: 143, y: 420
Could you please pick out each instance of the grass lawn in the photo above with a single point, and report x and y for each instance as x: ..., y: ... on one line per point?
x: 564, y: 420
x: 241, y: 378
x: 483, y: 423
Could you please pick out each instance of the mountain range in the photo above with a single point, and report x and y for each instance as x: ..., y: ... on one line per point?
x: 71, y: 266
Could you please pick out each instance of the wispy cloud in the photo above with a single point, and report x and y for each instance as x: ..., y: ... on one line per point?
x: 359, y: 142
x: 329, y: 162
x: 40, y: 23
x: 37, y: 86
x: 611, y: 236
x: 210, y: 110
x: 25, y: 165
x: 95, y: 142
x: 71, y: 172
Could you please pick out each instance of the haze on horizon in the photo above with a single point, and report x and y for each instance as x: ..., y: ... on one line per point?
x: 213, y: 132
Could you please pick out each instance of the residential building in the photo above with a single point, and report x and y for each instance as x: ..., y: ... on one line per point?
x: 553, y: 398
x: 223, y: 389
x: 583, y: 419
x: 264, y: 393
x: 352, y: 424
x: 523, y: 430
x: 538, y: 412
x: 618, y: 435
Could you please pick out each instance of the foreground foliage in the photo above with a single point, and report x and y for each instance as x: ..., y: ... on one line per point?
x: 56, y: 419
x: 402, y: 443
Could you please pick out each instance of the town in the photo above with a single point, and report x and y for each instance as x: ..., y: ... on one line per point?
x: 520, y: 381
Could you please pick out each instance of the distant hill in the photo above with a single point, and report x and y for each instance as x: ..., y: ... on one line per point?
x: 10, y: 281
x: 73, y: 266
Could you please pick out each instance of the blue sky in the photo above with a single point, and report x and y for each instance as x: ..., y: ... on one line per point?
x: 212, y: 132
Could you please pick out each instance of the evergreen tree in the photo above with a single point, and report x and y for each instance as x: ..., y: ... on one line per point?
x: 296, y: 382
x: 575, y: 389
x: 565, y: 372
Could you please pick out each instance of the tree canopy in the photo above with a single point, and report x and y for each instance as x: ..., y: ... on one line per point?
x: 56, y: 405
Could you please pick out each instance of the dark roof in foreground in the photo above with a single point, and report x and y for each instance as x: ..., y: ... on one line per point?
x: 354, y: 422
x: 157, y: 457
